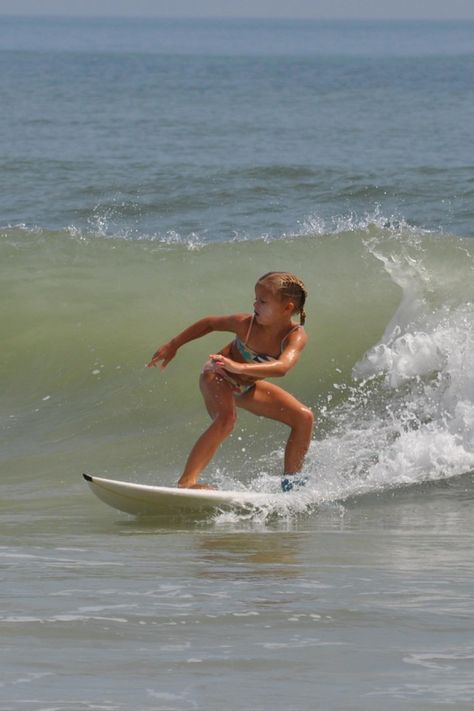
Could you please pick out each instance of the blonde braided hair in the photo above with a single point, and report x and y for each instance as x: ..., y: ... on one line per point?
x: 288, y: 287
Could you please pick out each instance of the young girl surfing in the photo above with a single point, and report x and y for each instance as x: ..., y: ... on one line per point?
x: 267, y: 344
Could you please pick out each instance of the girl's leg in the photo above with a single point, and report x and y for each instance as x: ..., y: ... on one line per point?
x: 220, y: 405
x: 268, y: 400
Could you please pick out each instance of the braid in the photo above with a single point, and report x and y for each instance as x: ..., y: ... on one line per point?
x: 288, y: 286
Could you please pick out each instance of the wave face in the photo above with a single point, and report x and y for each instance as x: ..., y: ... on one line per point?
x: 388, y: 369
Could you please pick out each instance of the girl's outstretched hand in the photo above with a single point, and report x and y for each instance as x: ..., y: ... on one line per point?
x: 165, y: 354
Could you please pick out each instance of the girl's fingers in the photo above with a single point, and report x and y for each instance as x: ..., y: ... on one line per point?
x: 154, y: 360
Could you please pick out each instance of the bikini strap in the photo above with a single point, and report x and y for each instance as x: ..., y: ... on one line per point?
x: 249, y: 329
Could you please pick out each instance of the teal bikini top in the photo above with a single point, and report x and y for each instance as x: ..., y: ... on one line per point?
x: 251, y: 356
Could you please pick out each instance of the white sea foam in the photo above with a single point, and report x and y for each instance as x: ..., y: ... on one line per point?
x: 414, y: 399
x: 370, y: 222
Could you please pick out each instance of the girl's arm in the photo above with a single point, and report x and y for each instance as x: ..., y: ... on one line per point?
x: 200, y: 328
x: 276, y: 369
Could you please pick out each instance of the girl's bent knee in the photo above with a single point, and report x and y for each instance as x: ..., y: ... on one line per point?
x: 225, y: 423
x: 306, y: 417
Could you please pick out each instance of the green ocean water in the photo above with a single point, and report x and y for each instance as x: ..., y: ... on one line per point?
x: 85, y: 313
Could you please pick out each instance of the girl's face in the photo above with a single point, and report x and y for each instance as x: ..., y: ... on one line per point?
x: 267, y: 306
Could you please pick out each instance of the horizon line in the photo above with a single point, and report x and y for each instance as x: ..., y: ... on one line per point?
x: 230, y: 17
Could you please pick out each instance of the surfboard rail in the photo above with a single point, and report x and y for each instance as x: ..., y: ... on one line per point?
x: 148, y: 500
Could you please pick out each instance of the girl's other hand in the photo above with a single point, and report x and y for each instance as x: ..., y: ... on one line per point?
x: 232, y: 366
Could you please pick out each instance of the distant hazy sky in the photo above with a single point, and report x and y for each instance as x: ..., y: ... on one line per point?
x: 318, y: 9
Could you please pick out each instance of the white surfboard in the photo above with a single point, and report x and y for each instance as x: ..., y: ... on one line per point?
x: 146, y: 500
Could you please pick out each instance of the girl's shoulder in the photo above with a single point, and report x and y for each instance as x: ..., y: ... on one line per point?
x: 236, y: 323
x: 296, y: 336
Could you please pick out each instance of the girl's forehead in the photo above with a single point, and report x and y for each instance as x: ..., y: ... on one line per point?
x: 262, y: 289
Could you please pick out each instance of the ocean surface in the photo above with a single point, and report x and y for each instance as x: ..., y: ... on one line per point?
x: 150, y: 172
